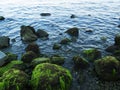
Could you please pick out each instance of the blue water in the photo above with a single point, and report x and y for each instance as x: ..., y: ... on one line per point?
x: 100, y: 16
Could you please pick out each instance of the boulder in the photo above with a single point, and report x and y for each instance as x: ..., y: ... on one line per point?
x: 28, y: 33
x: 14, y: 79
x: 56, y: 46
x: 3, y: 58
x: 2, y: 18
x: 73, y: 31
x: 65, y: 41
x: 48, y: 76
x: 108, y: 68
x: 4, y: 42
x: 80, y: 63
x: 33, y: 47
x: 45, y: 14
x: 42, y: 33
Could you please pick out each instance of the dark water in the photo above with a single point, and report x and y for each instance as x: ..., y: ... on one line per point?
x: 100, y: 16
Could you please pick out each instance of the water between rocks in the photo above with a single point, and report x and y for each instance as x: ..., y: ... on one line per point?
x: 100, y: 16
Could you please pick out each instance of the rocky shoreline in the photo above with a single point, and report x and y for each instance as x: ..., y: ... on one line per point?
x: 37, y: 71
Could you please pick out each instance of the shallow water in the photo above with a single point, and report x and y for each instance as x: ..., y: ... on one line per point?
x: 100, y: 16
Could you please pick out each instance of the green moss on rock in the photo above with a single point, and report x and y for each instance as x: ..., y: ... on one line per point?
x: 48, y: 76
x: 2, y: 86
x: 9, y: 66
x: 14, y: 79
x: 108, y: 68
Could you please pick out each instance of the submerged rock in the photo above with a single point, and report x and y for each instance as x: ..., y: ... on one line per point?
x: 56, y: 46
x: 65, y: 41
x: 72, y: 16
x: 118, y: 26
x: 33, y: 47
x: 27, y: 33
x: 45, y: 14
x: 4, y: 42
x: 2, y: 18
x: 73, y: 31
x: 50, y: 77
x: 92, y: 54
x: 28, y: 57
x: 3, y: 58
x: 108, y: 68
x: 14, y: 79
x: 80, y: 63
x: 9, y: 66
x: 41, y: 33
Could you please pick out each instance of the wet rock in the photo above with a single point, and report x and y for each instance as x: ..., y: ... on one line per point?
x: 72, y: 16
x: 59, y: 60
x: 14, y: 79
x: 28, y: 33
x: 118, y: 26
x: 41, y: 33
x: 80, y: 63
x: 28, y: 57
x: 48, y: 76
x: 45, y: 14
x: 2, y: 18
x: 40, y: 60
x: 4, y: 42
x: 9, y: 66
x: 3, y: 58
x: 56, y: 46
x: 117, y: 40
x: 89, y: 31
x: 65, y: 41
x: 73, y: 31
x: 108, y: 68
x: 92, y: 54
x: 33, y: 47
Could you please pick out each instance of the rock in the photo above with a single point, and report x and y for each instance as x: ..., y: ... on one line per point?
x: 9, y: 66
x: 59, y: 60
x: 48, y: 76
x: 73, y: 31
x: 27, y: 33
x: 28, y: 57
x: 92, y: 54
x: 80, y: 63
x: 56, y: 46
x: 4, y: 42
x: 33, y: 47
x: 108, y: 68
x: 65, y: 41
x: 3, y: 58
x: 40, y: 60
x: 117, y: 40
x: 118, y: 26
x: 72, y: 16
x: 45, y: 14
x: 14, y: 79
x: 112, y: 48
x: 2, y: 18
x: 41, y: 33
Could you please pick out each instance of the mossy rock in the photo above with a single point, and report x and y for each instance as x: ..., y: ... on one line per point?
x: 40, y: 60
x: 73, y: 31
x: 14, y: 79
x: 57, y: 60
x: 48, y: 76
x: 108, y: 68
x: 56, y: 46
x: 80, y: 63
x: 65, y: 41
x: 2, y: 86
x: 28, y: 57
x: 9, y: 66
x: 117, y: 39
x: 92, y: 54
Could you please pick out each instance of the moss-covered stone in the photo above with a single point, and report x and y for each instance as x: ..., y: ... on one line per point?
x: 117, y: 39
x: 28, y: 57
x: 14, y: 79
x: 40, y: 60
x: 9, y: 66
x: 73, y: 31
x: 48, y: 76
x: 2, y: 86
x: 65, y: 41
x: 92, y: 54
x: 80, y: 63
x: 57, y: 60
x: 56, y: 46
x: 108, y: 68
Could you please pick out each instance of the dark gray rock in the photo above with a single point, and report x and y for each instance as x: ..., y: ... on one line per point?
x: 45, y: 14
x: 28, y: 33
x: 41, y: 33
x: 3, y: 58
x: 72, y: 16
x: 4, y: 42
x: 73, y: 31
x: 2, y: 18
